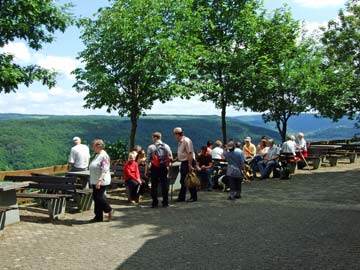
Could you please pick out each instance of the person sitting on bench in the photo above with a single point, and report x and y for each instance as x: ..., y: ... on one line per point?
x: 132, y: 179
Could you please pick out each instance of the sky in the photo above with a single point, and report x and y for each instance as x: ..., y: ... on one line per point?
x: 61, y: 57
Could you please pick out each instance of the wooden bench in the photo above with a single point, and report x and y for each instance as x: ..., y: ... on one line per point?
x: 82, y: 195
x: 53, y: 191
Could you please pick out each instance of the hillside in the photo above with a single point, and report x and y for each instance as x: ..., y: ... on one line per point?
x: 33, y: 141
x: 315, y: 129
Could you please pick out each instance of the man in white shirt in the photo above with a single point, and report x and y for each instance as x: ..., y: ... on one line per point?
x: 217, y: 152
x: 79, y: 156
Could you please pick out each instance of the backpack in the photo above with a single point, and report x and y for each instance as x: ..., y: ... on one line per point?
x: 161, y: 157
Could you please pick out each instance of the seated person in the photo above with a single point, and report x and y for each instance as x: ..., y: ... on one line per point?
x: 289, y: 146
x: 131, y: 175
x: 217, y: 152
x: 249, y: 149
x: 270, y: 160
x: 261, y: 151
x: 136, y: 150
x: 209, y: 145
x: 204, y: 167
x: 302, y: 152
x: 141, y: 158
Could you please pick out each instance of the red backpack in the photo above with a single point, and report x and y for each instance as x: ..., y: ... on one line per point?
x: 161, y: 157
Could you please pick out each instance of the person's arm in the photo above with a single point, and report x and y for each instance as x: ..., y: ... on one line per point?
x: 190, y: 157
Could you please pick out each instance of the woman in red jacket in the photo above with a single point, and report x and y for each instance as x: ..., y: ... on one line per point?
x: 132, y: 179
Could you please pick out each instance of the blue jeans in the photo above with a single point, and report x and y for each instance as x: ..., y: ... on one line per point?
x: 206, y: 176
x: 266, y: 168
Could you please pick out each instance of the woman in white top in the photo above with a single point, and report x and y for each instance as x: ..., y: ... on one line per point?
x: 100, y: 178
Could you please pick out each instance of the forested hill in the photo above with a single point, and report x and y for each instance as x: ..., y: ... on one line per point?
x: 32, y: 141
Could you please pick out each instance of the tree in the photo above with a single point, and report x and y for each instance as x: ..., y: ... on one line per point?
x: 283, y: 68
x: 34, y: 21
x: 135, y: 51
x: 227, y: 29
x: 341, y: 65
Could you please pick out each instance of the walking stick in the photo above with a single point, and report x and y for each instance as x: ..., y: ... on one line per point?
x: 302, y: 156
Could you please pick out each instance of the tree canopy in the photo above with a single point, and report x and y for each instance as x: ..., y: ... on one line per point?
x: 135, y: 51
x: 282, y: 69
x: 35, y: 22
x: 341, y: 65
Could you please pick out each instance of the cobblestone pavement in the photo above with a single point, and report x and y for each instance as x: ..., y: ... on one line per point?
x: 308, y: 222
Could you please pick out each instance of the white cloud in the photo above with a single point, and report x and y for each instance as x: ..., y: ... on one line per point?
x: 19, y: 50
x: 38, y: 97
x: 319, y: 3
x: 63, y: 65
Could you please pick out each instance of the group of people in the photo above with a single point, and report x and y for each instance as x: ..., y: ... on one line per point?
x: 157, y: 160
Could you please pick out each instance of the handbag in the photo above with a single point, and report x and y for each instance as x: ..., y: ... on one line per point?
x: 233, y: 171
x: 191, y: 180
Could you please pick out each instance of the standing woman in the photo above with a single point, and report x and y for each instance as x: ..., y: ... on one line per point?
x: 236, y: 164
x: 99, y: 179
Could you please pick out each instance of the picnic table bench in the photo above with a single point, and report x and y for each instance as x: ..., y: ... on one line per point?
x: 53, y: 191
x: 323, y: 152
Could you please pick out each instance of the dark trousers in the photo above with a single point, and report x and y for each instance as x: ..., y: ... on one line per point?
x: 134, y: 188
x: 184, y: 170
x: 159, y: 175
x: 101, y: 204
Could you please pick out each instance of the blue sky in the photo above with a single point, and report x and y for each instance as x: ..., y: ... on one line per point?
x: 60, y: 56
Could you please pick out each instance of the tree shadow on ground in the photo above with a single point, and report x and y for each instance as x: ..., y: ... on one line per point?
x: 308, y: 222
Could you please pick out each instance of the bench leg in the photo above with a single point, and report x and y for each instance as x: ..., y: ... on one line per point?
x: 352, y: 157
x: 316, y: 163
x: 333, y: 161
x: 2, y: 219
x: 84, y: 201
x: 56, y: 208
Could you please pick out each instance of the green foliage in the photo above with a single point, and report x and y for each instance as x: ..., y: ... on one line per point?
x: 341, y: 42
x: 42, y: 141
x: 281, y: 71
x: 117, y: 150
x: 227, y: 30
x: 35, y: 22
x: 133, y: 51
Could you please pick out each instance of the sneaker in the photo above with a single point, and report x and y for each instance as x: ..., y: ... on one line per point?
x: 231, y: 198
x: 237, y: 197
x: 191, y: 200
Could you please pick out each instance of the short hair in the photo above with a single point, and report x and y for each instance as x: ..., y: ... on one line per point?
x: 301, y: 134
x: 218, y: 143
x: 203, y: 148
x: 178, y: 130
x: 157, y: 134
x: 209, y: 143
x: 292, y: 137
x: 100, y: 143
x: 132, y: 154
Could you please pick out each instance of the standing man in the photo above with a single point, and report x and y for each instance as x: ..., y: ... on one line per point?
x: 79, y: 156
x: 185, y: 155
x: 158, y: 159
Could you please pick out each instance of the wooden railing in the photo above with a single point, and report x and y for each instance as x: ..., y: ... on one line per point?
x: 58, y: 169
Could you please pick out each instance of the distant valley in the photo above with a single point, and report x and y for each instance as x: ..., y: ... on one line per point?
x: 32, y: 141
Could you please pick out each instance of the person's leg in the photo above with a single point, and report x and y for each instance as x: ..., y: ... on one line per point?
x: 267, y: 170
x: 210, y: 183
x: 154, y: 186
x: 261, y: 166
x: 97, y: 208
x: 184, y: 169
x: 104, y: 204
x: 164, y: 186
x: 232, y: 184
x: 238, y: 188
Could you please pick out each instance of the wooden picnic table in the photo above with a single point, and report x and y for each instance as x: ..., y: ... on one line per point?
x: 8, y: 200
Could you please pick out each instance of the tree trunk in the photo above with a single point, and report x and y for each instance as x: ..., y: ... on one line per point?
x: 282, y: 128
x: 134, y: 118
x: 223, y: 118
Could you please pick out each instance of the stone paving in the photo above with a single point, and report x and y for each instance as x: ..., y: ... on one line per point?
x: 308, y: 222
